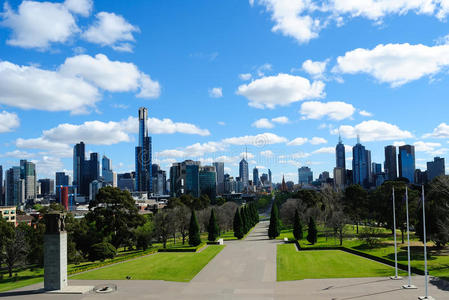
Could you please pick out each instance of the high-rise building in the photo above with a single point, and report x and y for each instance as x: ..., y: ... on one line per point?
x: 184, y: 178
x: 256, y: 177
x: 305, y: 176
x: 106, y: 170
x: 390, y: 166
x: 15, y: 188
x: 219, y: 168
x: 62, y: 179
x: 126, y: 181
x: 435, y: 168
x: 28, y: 174
x: 421, y: 177
x: 47, y: 186
x: 244, y: 173
x: 269, y: 178
x: 340, y: 155
x: 192, y: 180
x: 360, y: 165
x: 208, y: 179
x: 79, y: 158
x: 143, y: 159
x: 407, y: 162
x: 264, y: 179
x: 339, y: 178
x: 1, y: 187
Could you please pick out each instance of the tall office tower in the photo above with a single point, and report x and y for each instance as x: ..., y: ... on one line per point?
x: 15, y: 188
x: 360, y: 165
x: 184, y: 178
x: 376, y: 168
x: 269, y: 177
x: 126, y: 181
x: 1, y: 186
x: 219, y: 168
x: 244, y: 173
x: 106, y: 170
x: 256, y: 177
x: 368, y: 165
x: 407, y: 162
x: 340, y: 155
x: 79, y: 158
x: 264, y: 179
x: 339, y: 178
x: 28, y: 174
x: 47, y: 186
x: 390, y: 166
x: 143, y: 160
x: 208, y: 179
x: 421, y: 177
x: 61, y: 179
x: 435, y: 168
x: 305, y: 176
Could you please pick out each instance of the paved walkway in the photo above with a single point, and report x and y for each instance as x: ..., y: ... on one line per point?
x: 246, y: 270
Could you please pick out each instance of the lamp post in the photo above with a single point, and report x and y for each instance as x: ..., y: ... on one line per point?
x: 409, y: 285
x: 395, y: 277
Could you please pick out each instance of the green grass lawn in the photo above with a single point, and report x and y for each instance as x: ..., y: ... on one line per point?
x: 294, y: 265
x: 161, y: 266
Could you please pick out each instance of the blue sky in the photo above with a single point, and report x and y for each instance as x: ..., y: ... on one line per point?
x: 281, y: 78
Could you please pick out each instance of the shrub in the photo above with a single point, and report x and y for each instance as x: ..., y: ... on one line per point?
x: 102, y: 251
x: 312, y: 233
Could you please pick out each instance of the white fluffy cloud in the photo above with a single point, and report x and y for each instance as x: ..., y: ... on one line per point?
x: 329, y: 150
x: 167, y: 126
x: 317, y: 140
x: 365, y: 113
x: 315, y: 68
x: 245, y: 76
x: 297, y: 141
x: 113, y: 76
x: 259, y: 140
x: 336, y: 110
x: 263, y: 123
x: 8, y: 121
x: 216, y: 92
x: 440, y: 132
x: 81, y: 7
x: 280, y: 120
x: 111, y: 30
x: 373, y: 130
x: 395, y: 64
x: 266, y: 153
x: 421, y: 146
x: 281, y: 89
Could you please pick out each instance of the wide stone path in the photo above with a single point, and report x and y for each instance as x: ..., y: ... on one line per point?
x: 246, y: 270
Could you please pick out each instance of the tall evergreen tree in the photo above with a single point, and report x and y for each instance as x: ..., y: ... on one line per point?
x: 238, y: 230
x: 244, y: 220
x: 273, y: 229
x: 297, y: 227
x: 312, y: 232
x: 194, y: 230
x: 213, y: 227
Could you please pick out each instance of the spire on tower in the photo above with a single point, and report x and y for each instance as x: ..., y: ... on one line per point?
x: 358, y: 138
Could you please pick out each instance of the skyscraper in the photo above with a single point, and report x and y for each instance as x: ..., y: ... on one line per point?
x: 15, y: 188
x: 305, y: 176
x: 390, y: 166
x: 340, y: 155
x: 360, y: 165
x: 219, y: 169
x: 28, y: 174
x: 79, y: 158
x: 407, y: 162
x: 244, y: 173
x: 184, y: 178
x: 435, y: 168
x: 106, y: 170
x: 143, y: 159
x: 208, y: 179
x: 269, y: 177
x: 61, y: 179
x: 47, y: 186
x: 1, y: 186
x: 256, y: 177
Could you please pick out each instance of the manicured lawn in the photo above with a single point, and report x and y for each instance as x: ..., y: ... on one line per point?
x: 161, y: 266
x: 24, y: 278
x: 294, y: 265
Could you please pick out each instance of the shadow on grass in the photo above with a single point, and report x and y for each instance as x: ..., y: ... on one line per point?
x: 364, y: 247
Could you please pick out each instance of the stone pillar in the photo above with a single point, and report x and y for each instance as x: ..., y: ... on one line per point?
x: 55, y: 252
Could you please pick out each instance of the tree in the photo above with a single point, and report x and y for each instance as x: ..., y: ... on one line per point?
x: 162, y: 225
x: 213, y: 227
x: 297, y: 227
x: 102, y: 251
x: 356, y: 203
x: 274, y: 227
x: 245, y: 225
x: 13, y: 245
x: 194, y: 231
x: 312, y: 232
x: 144, y: 234
x: 238, y: 230
x: 182, y: 214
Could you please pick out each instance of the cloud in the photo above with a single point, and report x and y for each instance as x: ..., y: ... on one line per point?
x: 373, y: 130
x: 261, y: 70
x: 266, y: 153
x: 281, y: 89
x: 440, y: 132
x: 315, y: 69
x: 297, y: 141
x: 19, y: 154
x: 221, y: 123
x: 81, y: 7
x: 317, y: 140
x: 28, y: 87
x: 330, y: 150
x: 216, y: 92
x: 259, y: 140
x: 280, y: 120
x: 263, y: 123
x: 421, y: 146
x: 8, y: 121
x: 195, y: 150
x: 163, y: 126
x: 365, y: 113
x: 56, y: 148
x: 395, y: 64
x: 245, y: 76
x: 336, y: 110
x: 111, y: 30
x: 113, y: 76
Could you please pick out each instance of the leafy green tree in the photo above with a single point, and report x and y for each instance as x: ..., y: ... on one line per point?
x: 102, y: 251
x: 238, y: 224
x: 144, y: 234
x: 213, y: 227
x: 355, y: 199
x: 312, y: 233
x: 297, y: 227
x: 13, y: 246
x: 194, y: 231
x: 245, y: 225
x: 163, y: 226
x: 274, y: 227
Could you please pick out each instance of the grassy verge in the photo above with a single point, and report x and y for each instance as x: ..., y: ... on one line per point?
x: 161, y: 266
x: 294, y: 265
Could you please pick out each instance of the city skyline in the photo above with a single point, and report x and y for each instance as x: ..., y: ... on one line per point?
x: 225, y: 104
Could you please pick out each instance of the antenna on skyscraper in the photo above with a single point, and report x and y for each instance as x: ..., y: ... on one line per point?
x: 358, y: 138
x: 246, y: 153
x: 339, y: 136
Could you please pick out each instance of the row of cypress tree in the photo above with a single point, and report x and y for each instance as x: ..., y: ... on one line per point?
x: 245, y: 218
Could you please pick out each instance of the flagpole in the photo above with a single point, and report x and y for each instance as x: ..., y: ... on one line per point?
x: 396, y: 277
x: 425, y: 247
x: 409, y: 286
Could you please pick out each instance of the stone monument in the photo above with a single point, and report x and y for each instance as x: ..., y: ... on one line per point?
x: 55, y: 252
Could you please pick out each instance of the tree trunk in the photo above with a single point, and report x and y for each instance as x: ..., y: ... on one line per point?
x: 402, y: 234
x: 357, y: 227
x: 10, y: 271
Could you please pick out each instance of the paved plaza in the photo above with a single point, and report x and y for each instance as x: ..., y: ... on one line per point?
x: 246, y: 270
